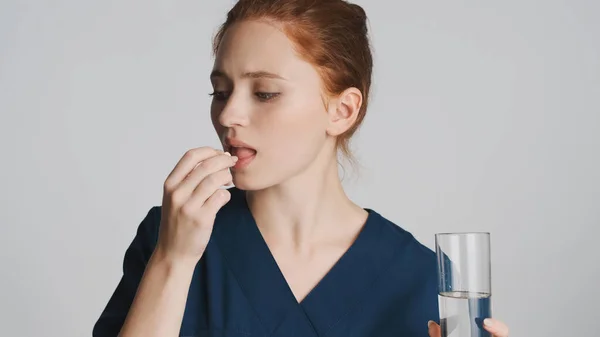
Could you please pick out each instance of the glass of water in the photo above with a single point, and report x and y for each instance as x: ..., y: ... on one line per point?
x: 464, y: 283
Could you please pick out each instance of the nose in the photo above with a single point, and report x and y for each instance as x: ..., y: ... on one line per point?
x: 233, y: 113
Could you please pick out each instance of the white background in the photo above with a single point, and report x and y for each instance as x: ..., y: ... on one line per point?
x: 485, y: 116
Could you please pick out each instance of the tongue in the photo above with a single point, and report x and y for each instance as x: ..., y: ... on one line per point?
x: 243, y: 152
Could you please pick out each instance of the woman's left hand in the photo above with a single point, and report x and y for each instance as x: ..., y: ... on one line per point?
x: 495, y: 327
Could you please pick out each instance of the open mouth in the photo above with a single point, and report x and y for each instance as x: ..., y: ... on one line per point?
x: 243, y: 151
x: 245, y: 156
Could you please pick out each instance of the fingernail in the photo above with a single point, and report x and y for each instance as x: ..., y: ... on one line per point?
x: 227, y: 153
x: 429, y: 324
x: 488, y: 322
x: 235, y: 159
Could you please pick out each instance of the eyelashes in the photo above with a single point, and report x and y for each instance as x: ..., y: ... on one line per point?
x: 266, y: 96
x: 219, y: 95
x: 222, y: 96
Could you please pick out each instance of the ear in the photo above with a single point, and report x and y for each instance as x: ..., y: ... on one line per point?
x: 343, y: 111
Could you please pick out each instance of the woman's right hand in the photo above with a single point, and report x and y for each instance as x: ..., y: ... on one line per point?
x: 191, y: 199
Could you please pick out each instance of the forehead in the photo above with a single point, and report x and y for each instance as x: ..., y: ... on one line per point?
x: 259, y: 46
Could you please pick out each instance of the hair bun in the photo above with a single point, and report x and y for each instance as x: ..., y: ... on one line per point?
x: 361, y: 16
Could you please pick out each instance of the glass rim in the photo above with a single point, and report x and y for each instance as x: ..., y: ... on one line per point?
x: 463, y: 233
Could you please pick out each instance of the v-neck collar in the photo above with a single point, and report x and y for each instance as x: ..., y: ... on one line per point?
x: 341, y: 289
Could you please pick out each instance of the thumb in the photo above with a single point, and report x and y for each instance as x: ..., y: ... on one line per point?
x: 434, y: 329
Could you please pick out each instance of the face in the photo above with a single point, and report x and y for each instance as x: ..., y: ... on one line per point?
x: 267, y: 107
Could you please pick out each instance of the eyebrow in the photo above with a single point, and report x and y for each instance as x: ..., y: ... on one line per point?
x: 251, y: 74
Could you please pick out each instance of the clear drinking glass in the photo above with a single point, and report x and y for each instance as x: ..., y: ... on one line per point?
x: 464, y: 283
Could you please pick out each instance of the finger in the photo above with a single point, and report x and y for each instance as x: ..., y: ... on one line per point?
x: 230, y: 182
x: 495, y: 327
x: 235, y: 159
x: 207, y: 210
x: 450, y: 323
x: 187, y: 163
x: 208, y: 186
x: 434, y: 329
x: 204, y: 171
x: 217, y: 200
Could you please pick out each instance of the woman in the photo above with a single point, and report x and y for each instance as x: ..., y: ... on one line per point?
x: 285, y: 252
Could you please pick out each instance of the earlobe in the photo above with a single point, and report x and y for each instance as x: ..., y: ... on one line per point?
x: 343, y: 111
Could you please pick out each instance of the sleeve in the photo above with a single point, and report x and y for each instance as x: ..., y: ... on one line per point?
x: 134, y: 263
x: 424, y: 299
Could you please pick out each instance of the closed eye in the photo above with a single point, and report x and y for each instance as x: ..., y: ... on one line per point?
x: 219, y: 95
x: 266, y: 96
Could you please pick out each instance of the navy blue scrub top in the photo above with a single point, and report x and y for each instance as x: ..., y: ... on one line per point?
x: 384, y: 285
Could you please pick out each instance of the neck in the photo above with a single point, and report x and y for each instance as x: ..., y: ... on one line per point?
x: 305, y: 209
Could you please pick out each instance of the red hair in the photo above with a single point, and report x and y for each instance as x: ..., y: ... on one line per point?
x: 329, y: 34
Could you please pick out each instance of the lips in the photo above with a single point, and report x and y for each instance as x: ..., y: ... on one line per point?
x: 245, y: 157
x: 243, y: 151
x: 232, y: 144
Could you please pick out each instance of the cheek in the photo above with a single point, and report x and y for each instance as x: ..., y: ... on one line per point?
x: 296, y: 132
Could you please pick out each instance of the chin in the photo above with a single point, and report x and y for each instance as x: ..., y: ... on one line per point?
x: 256, y: 178
x: 252, y: 182
x: 245, y: 183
